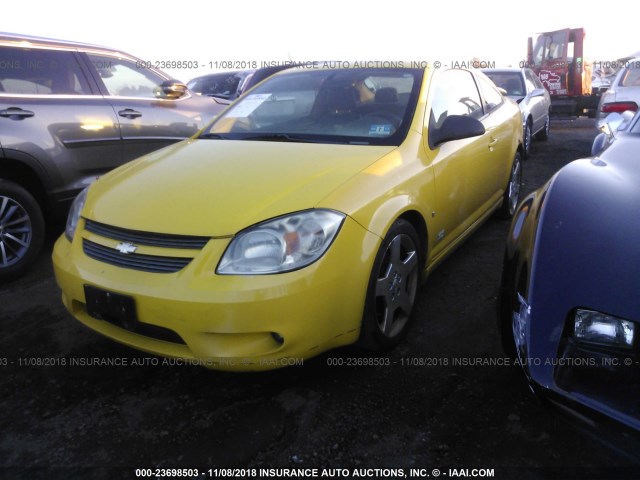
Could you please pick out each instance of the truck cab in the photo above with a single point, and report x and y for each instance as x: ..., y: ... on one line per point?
x: 557, y: 58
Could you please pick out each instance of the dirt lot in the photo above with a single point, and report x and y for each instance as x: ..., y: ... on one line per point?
x: 62, y: 421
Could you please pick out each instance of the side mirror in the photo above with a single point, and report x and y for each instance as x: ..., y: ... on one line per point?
x: 171, y: 89
x: 455, y: 127
x: 537, y: 92
x: 502, y: 91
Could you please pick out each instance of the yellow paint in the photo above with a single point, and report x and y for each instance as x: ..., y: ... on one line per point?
x: 216, y: 188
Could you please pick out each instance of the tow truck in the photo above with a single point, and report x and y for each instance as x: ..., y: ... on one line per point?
x: 558, y: 59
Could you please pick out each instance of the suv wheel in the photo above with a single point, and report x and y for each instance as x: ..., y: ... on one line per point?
x: 21, y: 230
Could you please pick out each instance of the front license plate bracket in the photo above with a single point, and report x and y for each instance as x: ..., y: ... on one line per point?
x: 114, y: 308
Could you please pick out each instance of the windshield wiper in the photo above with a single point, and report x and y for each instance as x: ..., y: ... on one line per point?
x: 279, y: 137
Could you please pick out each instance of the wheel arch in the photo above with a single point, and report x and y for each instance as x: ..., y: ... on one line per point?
x: 26, y: 176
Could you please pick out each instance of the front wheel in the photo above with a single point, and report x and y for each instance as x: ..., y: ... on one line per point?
x: 21, y: 230
x: 392, y: 288
x: 511, y: 195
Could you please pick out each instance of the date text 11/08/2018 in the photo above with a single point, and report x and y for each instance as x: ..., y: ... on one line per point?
x: 315, y: 472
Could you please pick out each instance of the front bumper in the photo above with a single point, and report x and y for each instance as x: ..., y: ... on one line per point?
x: 230, y: 322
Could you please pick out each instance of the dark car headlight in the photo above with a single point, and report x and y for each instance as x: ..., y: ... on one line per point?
x: 598, y: 328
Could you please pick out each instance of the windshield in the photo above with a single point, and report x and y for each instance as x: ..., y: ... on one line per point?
x: 549, y: 47
x: 224, y: 85
x: 511, y: 82
x: 363, y: 106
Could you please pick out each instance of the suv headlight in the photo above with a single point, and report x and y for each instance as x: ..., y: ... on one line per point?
x: 282, y: 244
x: 74, y: 214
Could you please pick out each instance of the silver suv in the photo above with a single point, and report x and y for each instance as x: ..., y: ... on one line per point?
x: 70, y: 112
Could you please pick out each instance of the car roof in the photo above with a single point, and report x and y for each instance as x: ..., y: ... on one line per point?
x: 19, y: 40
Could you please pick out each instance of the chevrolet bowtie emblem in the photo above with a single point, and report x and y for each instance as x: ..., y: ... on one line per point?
x: 126, y: 248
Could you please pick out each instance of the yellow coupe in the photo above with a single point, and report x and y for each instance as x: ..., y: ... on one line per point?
x: 302, y: 219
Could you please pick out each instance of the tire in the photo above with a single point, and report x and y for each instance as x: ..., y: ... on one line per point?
x: 21, y: 230
x: 511, y: 196
x: 392, y: 289
x: 544, y: 133
x: 527, y: 139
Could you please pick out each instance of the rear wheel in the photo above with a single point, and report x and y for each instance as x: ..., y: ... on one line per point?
x: 392, y: 288
x: 544, y: 133
x: 21, y: 230
x: 511, y: 195
x: 527, y: 138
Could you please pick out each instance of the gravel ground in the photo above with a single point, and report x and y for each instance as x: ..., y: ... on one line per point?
x: 419, y: 412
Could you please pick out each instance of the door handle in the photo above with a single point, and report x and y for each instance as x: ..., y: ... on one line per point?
x: 16, y: 113
x: 129, y: 113
x: 493, y: 142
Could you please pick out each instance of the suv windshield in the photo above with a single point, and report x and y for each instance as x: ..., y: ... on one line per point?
x: 363, y: 106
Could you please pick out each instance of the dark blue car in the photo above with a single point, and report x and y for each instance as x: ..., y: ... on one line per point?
x: 569, y: 309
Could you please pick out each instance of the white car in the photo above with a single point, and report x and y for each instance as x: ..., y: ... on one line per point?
x: 624, y: 93
x: 524, y: 87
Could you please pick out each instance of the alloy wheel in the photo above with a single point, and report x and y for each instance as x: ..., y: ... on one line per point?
x: 15, y: 231
x: 396, y: 285
x: 515, y: 182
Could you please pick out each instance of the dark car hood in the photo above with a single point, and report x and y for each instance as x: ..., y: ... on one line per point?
x: 587, y: 248
x: 590, y: 241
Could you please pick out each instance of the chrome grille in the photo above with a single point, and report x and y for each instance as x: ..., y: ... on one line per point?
x: 135, y: 261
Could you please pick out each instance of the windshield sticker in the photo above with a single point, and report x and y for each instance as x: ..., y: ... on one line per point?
x: 248, y: 105
x: 382, y: 130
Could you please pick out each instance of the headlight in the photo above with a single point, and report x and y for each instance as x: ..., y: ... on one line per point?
x: 74, y: 214
x: 602, y: 329
x: 282, y: 244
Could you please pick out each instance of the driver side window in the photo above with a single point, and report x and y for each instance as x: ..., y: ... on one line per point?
x: 454, y: 94
x: 123, y: 78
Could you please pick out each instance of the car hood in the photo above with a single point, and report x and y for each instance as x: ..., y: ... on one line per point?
x: 218, y: 187
x: 588, y: 249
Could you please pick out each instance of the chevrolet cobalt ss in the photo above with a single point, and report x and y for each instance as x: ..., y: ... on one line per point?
x: 302, y: 219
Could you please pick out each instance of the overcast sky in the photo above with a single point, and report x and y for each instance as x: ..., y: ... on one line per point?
x: 279, y: 30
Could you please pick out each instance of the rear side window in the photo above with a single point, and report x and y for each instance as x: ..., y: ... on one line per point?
x: 124, y: 78
x: 41, y: 72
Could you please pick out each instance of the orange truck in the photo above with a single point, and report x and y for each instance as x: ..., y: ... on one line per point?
x: 558, y: 60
